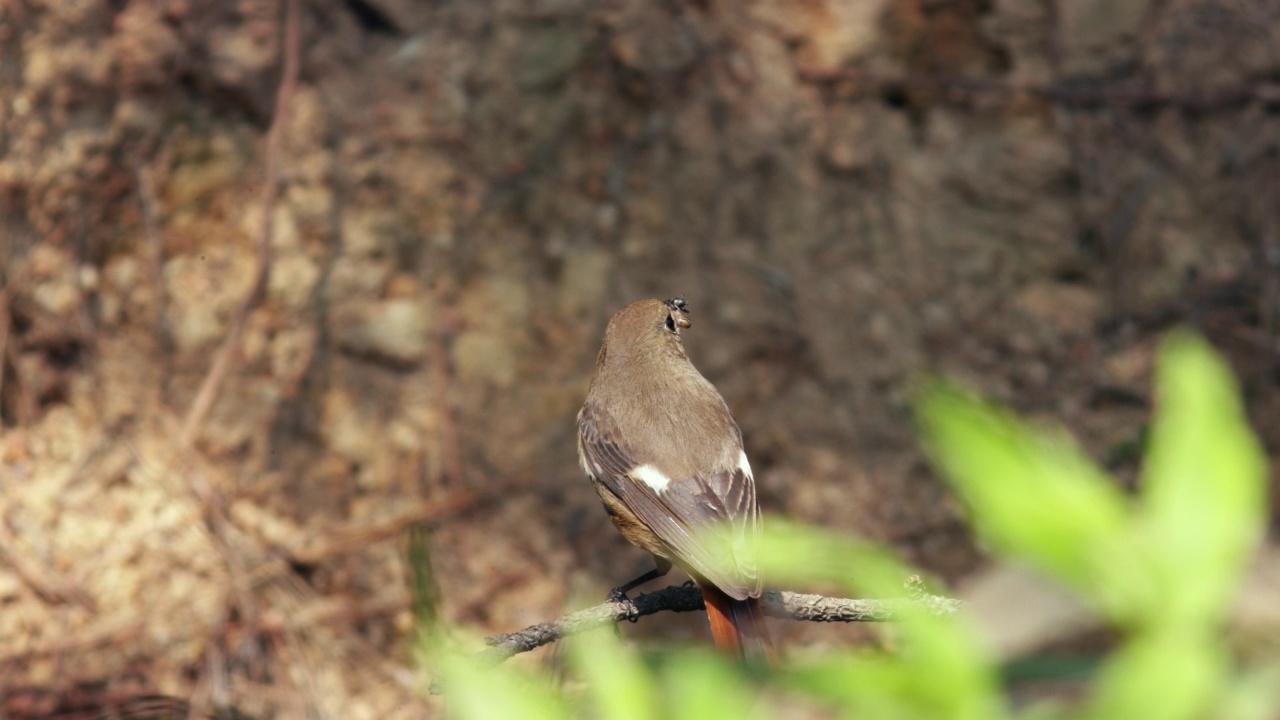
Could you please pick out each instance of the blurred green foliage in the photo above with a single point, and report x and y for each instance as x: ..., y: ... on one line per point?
x: 1161, y: 567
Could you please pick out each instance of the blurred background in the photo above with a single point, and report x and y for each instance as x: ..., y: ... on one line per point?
x: 851, y: 194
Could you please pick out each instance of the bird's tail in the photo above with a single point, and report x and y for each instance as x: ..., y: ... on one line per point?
x: 737, y: 626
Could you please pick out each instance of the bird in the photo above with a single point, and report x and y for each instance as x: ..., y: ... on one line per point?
x: 666, y: 457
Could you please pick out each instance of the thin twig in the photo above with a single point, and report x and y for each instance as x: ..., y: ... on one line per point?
x: 453, y: 470
x: 952, y: 88
x: 270, y: 189
x: 45, y: 581
x: 686, y: 598
x: 215, y: 510
x: 114, y: 632
x: 149, y: 203
x: 358, y: 536
x: 24, y: 401
x: 4, y: 331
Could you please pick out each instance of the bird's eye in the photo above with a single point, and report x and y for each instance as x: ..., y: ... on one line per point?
x: 676, y: 309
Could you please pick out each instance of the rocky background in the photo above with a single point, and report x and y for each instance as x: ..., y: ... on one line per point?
x: 851, y: 194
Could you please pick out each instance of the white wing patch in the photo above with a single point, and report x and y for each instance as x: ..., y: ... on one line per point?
x: 651, y: 476
x: 745, y: 466
x: 583, y: 462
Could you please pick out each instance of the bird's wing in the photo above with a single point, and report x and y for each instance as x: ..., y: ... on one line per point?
x: 709, y: 520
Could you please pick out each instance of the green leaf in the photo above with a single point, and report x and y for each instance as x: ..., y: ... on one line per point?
x: 1169, y: 675
x: 791, y: 554
x: 1203, y: 484
x: 473, y: 691
x: 426, y: 592
x: 859, y: 683
x: 1253, y: 696
x: 698, y: 684
x: 941, y: 671
x: 619, y: 685
x: 895, y: 685
x: 1031, y: 495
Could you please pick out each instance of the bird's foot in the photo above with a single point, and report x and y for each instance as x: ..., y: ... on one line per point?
x: 619, y: 595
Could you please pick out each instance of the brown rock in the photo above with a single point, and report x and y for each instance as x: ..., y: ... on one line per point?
x: 395, y: 330
x: 1069, y: 309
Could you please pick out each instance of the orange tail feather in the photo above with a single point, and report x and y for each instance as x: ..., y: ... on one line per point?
x: 737, y: 626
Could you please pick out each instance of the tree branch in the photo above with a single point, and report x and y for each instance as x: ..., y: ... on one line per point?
x: 687, y: 598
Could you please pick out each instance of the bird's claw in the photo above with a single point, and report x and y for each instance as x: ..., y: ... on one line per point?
x: 618, y: 596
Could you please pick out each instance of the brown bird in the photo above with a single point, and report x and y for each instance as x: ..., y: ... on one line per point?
x: 666, y: 457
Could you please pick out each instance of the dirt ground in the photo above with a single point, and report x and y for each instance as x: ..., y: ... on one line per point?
x: 1022, y: 194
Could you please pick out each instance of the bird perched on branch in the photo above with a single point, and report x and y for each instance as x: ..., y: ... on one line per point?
x: 666, y: 457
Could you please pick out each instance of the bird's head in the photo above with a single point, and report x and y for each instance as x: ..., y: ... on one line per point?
x: 646, y: 326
